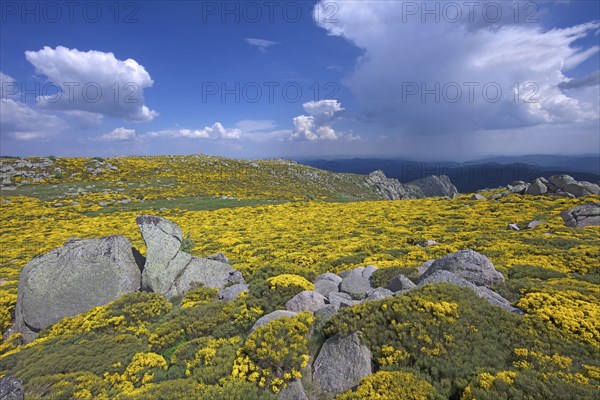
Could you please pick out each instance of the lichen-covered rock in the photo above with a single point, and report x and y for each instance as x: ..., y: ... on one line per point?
x: 11, y: 388
x: 379, y: 294
x: 401, y: 282
x: 582, y: 216
x: 425, y: 266
x: 357, y: 282
x: 341, y: 299
x: 169, y: 270
x: 342, y: 362
x: 75, y: 278
x: 536, y: 188
x: 468, y: 264
x: 307, y: 300
x: 293, y: 391
x: 327, y: 282
x: 232, y: 292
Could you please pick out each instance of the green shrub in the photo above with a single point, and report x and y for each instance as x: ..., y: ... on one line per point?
x: 533, y: 272
x: 383, y: 276
x: 395, y: 385
x: 187, y: 244
x: 448, y: 334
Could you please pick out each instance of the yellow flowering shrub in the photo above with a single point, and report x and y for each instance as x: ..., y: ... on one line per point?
x: 568, y: 310
x: 385, y: 385
x: 198, y: 296
x: 275, y: 353
x: 7, y: 306
x: 288, y: 280
x: 138, y: 373
x: 131, y: 313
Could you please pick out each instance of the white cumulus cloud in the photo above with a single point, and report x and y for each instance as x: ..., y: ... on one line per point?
x: 118, y: 134
x: 21, y: 122
x: 425, y: 77
x: 216, y: 131
x: 317, y: 124
x: 93, y: 81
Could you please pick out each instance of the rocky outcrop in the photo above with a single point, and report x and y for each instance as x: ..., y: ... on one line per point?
x: 392, y: 189
x: 11, y: 388
x: 72, y: 279
x: 342, y: 362
x: 169, y: 270
x: 467, y: 264
x: 557, y: 185
x: 582, y: 216
x: 435, y: 185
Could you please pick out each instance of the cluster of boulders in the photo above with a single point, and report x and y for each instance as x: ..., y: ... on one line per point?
x: 29, y: 171
x: 35, y: 170
x: 556, y: 185
x: 392, y: 189
x: 86, y: 273
x: 343, y: 361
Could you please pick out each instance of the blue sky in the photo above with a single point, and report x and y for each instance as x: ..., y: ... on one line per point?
x: 418, y: 79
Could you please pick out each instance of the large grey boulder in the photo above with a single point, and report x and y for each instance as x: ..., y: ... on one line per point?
x: 536, y: 188
x: 425, y: 266
x: 448, y: 277
x: 293, y: 391
x: 170, y: 271
x: 307, y: 300
x: 400, y: 282
x: 582, y: 216
x: 73, y: 279
x: 327, y: 282
x: 519, y: 187
x: 265, y: 319
x: 342, y: 362
x: 570, y: 185
x: 468, y: 264
x: 357, y: 282
x: 11, y: 388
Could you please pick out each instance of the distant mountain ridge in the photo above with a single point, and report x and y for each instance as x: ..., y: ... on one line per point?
x: 473, y: 175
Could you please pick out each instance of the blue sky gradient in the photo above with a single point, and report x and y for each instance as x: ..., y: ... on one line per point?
x: 355, y: 64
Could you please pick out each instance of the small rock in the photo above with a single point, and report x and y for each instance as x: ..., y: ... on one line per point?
x: 428, y: 243
x: 340, y: 300
x: 513, y: 227
x: 533, y: 224
x: 219, y: 257
x: 358, y: 282
x: 379, y: 294
x: 536, y: 188
x: 232, y: 292
x: 477, y: 196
